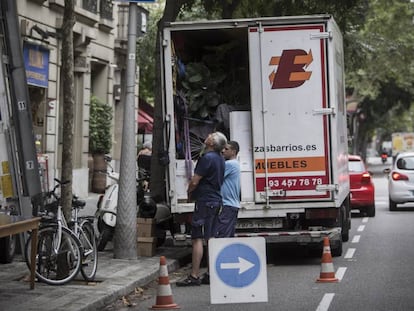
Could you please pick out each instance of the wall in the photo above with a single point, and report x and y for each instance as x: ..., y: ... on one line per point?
x: 96, y: 61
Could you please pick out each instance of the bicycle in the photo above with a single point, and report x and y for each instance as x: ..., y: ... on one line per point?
x: 84, y: 230
x: 64, y: 249
x: 58, y: 257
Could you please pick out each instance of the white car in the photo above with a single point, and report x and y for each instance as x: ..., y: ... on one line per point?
x: 401, y: 180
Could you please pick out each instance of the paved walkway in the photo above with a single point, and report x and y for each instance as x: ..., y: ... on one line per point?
x: 114, y: 278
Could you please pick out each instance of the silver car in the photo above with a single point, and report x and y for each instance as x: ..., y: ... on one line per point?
x: 401, y: 180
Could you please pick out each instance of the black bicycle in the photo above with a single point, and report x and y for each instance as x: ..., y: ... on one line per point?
x: 63, y: 248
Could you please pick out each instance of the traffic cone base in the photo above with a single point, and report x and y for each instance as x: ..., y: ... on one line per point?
x: 327, y: 274
x: 164, y: 300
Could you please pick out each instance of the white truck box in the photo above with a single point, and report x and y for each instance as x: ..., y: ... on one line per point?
x: 293, y: 135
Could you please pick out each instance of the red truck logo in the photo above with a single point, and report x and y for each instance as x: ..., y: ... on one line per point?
x: 290, y: 70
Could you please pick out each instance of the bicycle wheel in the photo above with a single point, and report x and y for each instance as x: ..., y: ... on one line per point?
x: 56, y: 262
x: 90, y: 252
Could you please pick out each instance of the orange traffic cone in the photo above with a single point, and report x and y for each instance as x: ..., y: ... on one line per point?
x: 164, y: 300
x: 327, y: 269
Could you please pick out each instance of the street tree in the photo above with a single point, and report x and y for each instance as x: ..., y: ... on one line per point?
x: 68, y: 105
x: 384, y: 76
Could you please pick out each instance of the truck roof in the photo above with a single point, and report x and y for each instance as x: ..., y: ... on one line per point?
x: 253, y: 21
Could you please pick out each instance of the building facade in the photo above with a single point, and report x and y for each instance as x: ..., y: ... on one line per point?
x: 100, y: 47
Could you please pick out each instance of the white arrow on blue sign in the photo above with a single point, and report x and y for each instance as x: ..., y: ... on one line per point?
x: 238, y: 265
x: 238, y: 270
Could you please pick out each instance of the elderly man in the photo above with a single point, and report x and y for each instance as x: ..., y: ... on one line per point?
x: 205, y: 189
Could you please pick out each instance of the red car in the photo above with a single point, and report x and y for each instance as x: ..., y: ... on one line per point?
x: 362, y: 187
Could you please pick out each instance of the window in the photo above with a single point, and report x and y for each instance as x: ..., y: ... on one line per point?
x: 406, y: 163
x: 355, y: 166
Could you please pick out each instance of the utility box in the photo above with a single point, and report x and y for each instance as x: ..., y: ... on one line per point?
x: 146, y: 242
x: 146, y: 246
x: 145, y: 227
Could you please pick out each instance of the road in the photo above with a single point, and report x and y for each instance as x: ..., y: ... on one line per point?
x: 375, y: 271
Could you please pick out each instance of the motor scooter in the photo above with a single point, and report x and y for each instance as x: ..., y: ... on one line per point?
x: 105, y: 215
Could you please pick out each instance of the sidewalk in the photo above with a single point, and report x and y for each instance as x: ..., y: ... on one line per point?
x: 114, y: 278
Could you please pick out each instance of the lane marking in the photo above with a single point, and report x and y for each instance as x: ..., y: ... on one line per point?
x: 365, y: 219
x: 340, y: 273
x: 356, y: 239
x: 325, y: 302
x: 361, y: 228
x: 350, y: 253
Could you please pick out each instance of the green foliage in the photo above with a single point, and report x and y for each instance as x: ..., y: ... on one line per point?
x: 386, y: 48
x: 384, y: 76
x: 378, y: 43
x: 100, y: 117
x: 201, y: 90
x: 146, y: 55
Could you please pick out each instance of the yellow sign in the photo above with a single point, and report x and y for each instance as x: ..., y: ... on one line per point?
x: 6, y: 186
x: 5, y: 167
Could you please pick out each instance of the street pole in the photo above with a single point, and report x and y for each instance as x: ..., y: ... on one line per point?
x: 125, y: 246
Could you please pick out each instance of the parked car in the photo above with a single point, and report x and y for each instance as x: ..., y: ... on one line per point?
x: 401, y: 180
x: 362, y: 187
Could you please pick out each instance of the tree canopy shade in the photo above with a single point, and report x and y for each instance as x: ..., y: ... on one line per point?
x: 382, y: 75
x: 346, y: 13
x: 378, y: 44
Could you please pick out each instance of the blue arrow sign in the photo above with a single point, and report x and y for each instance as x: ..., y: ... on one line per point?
x: 237, y: 265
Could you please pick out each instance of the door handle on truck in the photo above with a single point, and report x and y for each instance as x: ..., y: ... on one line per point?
x: 327, y: 188
x: 321, y: 35
x: 273, y: 193
x: 324, y: 111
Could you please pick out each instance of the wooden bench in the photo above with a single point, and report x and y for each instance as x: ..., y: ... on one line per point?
x: 21, y: 226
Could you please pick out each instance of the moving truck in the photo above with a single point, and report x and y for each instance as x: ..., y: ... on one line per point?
x: 275, y: 85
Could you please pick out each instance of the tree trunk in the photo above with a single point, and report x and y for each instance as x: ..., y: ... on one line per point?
x: 68, y: 81
x: 158, y: 190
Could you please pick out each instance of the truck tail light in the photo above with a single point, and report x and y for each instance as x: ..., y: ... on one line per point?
x: 398, y: 176
x: 323, y: 213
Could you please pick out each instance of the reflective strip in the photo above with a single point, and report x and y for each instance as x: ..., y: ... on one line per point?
x: 164, y: 290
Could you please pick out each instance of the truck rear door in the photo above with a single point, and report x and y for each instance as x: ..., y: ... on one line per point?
x: 290, y: 123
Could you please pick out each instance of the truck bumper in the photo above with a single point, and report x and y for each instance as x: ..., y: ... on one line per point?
x: 283, y: 238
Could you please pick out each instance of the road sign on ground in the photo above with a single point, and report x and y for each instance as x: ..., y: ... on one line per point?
x: 238, y: 270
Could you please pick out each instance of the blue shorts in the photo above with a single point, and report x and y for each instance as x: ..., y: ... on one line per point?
x: 204, y: 221
x: 227, y: 219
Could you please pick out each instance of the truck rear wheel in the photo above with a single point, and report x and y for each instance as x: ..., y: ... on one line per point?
x: 345, y: 221
x: 7, y: 248
x: 337, y: 250
x: 371, y: 211
x: 392, y: 205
